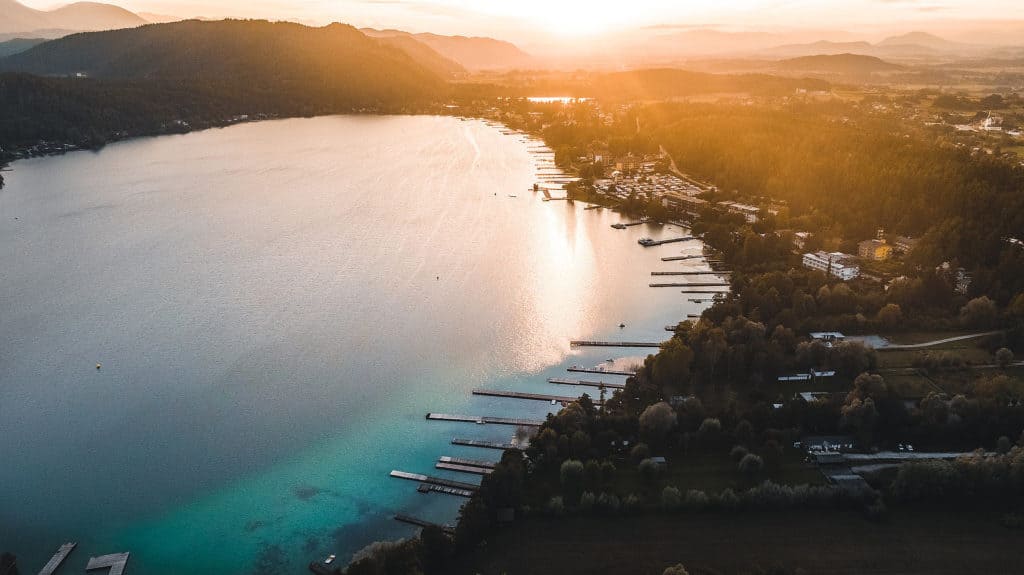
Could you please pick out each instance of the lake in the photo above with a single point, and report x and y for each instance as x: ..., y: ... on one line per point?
x: 275, y: 307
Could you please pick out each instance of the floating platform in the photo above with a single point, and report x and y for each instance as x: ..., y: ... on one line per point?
x: 482, y: 419
x: 434, y: 480
x: 58, y: 558
x: 525, y: 395
x: 486, y: 444
x: 422, y: 523
x: 577, y: 369
x: 690, y: 285
x: 585, y: 383
x: 680, y: 258
x: 464, y: 468
x: 115, y: 562
x: 584, y: 343
x: 468, y: 462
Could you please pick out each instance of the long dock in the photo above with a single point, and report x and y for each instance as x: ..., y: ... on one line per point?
x: 115, y: 562
x: 434, y: 480
x: 585, y: 383
x: 524, y: 395
x: 485, y: 444
x: 577, y: 369
x: 422, y: 523
x: 680, y: 258
x: 689, y: 285
x: 482, y: 419
x: 708, y: 292
x: 469, y: 462
x: 58, y: 558
x: 697, y: 273
x: 654, y: 243
x: 431, y: 488
x: 583, y: 343
x: 464, y: 468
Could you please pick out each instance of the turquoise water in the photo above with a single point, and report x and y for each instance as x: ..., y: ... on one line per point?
x: 275, y: 307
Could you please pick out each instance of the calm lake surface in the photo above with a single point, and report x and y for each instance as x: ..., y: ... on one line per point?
x: 275, y: 307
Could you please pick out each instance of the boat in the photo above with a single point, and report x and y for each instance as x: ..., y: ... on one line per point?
x: 619, y: 226
x: 512, y: 195
x: 645, y: 242
x: 330, y: 559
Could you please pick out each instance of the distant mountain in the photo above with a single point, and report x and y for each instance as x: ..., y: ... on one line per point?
x: 17, y: 45
x: 822, y: 47
x: 846, y: 64
x: 425, y: 56
x: 472, y: 53
x: 665, y: 83
x: 79, y: 16
x: 924, y: 39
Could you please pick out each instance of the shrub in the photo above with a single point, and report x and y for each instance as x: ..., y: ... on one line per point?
x: 608, y: 503
x: 738, y: 452
x: 750, y: 465
x: 696, y: 500
x: 671, y: 498
x: 676, y: 569
x: 555, y: 506
x: 587, y: 501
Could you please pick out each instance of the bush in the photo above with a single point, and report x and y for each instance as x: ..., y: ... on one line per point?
x: 657, y: 420
x: 608, y: 503
x: 671, y: 498
x: 727, y: 500
x: 676, y: 569
x: 631, y: 504
x: 587, y: 501
x: 1004, y: 357
x: 696, y: 500
x: 649, y: 470
x: 639, y: 452
x: 738, y: 452
x: 750, y: 465
x: 555, y: 506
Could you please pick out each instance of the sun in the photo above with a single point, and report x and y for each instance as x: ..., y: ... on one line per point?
x: 569, y: 18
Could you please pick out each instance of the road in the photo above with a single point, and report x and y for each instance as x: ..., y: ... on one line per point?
x: 938, y: 341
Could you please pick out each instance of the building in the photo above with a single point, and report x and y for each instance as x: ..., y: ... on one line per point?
x: 800, y: 239
x: 874, y: 250
x: 838, y: 264
x: 904, y: 244
x: 750, y: 213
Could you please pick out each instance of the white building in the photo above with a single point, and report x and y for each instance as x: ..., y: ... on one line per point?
x: 838, y: 264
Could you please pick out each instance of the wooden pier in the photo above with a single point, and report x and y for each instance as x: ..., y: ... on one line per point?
x: 486, y: 444
x: 464, y: 468
x: 422, y: 523
x: 525, y: 395
x: 482, y: 419
x: 583, y: 343
x: 705, y: 292
x: 58, y: 558
x: 585, y: 383
x: 696, y: 273
x: 689, y: 285
x: 434, y: 480
x: 115, y: 562
x: 577, y: 369
x: 469, y: 462
x: 680, y: 258
x: 426, y: 488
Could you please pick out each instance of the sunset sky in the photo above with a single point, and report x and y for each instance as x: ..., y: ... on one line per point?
x: 576, y: 18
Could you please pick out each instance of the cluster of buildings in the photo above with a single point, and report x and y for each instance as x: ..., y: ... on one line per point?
x: 847, y: 266
x: 837, y: 264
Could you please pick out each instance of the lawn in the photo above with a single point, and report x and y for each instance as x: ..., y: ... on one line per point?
x: 936, y: 542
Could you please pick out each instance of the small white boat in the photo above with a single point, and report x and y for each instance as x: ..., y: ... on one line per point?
x: 330, y: 559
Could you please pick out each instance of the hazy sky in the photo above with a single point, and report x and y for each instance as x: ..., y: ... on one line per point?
x: 567, y: 18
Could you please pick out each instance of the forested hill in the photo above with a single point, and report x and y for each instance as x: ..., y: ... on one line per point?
x: 87, y: 89
x: 335, y: 63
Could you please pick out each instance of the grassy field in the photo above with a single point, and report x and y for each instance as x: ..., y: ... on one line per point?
x: 910, y: 542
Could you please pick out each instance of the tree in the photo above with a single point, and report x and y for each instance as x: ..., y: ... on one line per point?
x: 656, y: 421
x: 676, y: 569
x: 436, y: 549
x: 979, y: 313
x: 890, y: 316
x: 868, y: 385
x: 671, y: 498
x: 1004, y: 357
x: 671, y: 366
x: 750, y: 465
x: 571, y: 475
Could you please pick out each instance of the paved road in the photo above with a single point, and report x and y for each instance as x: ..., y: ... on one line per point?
x: 938, y: 341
